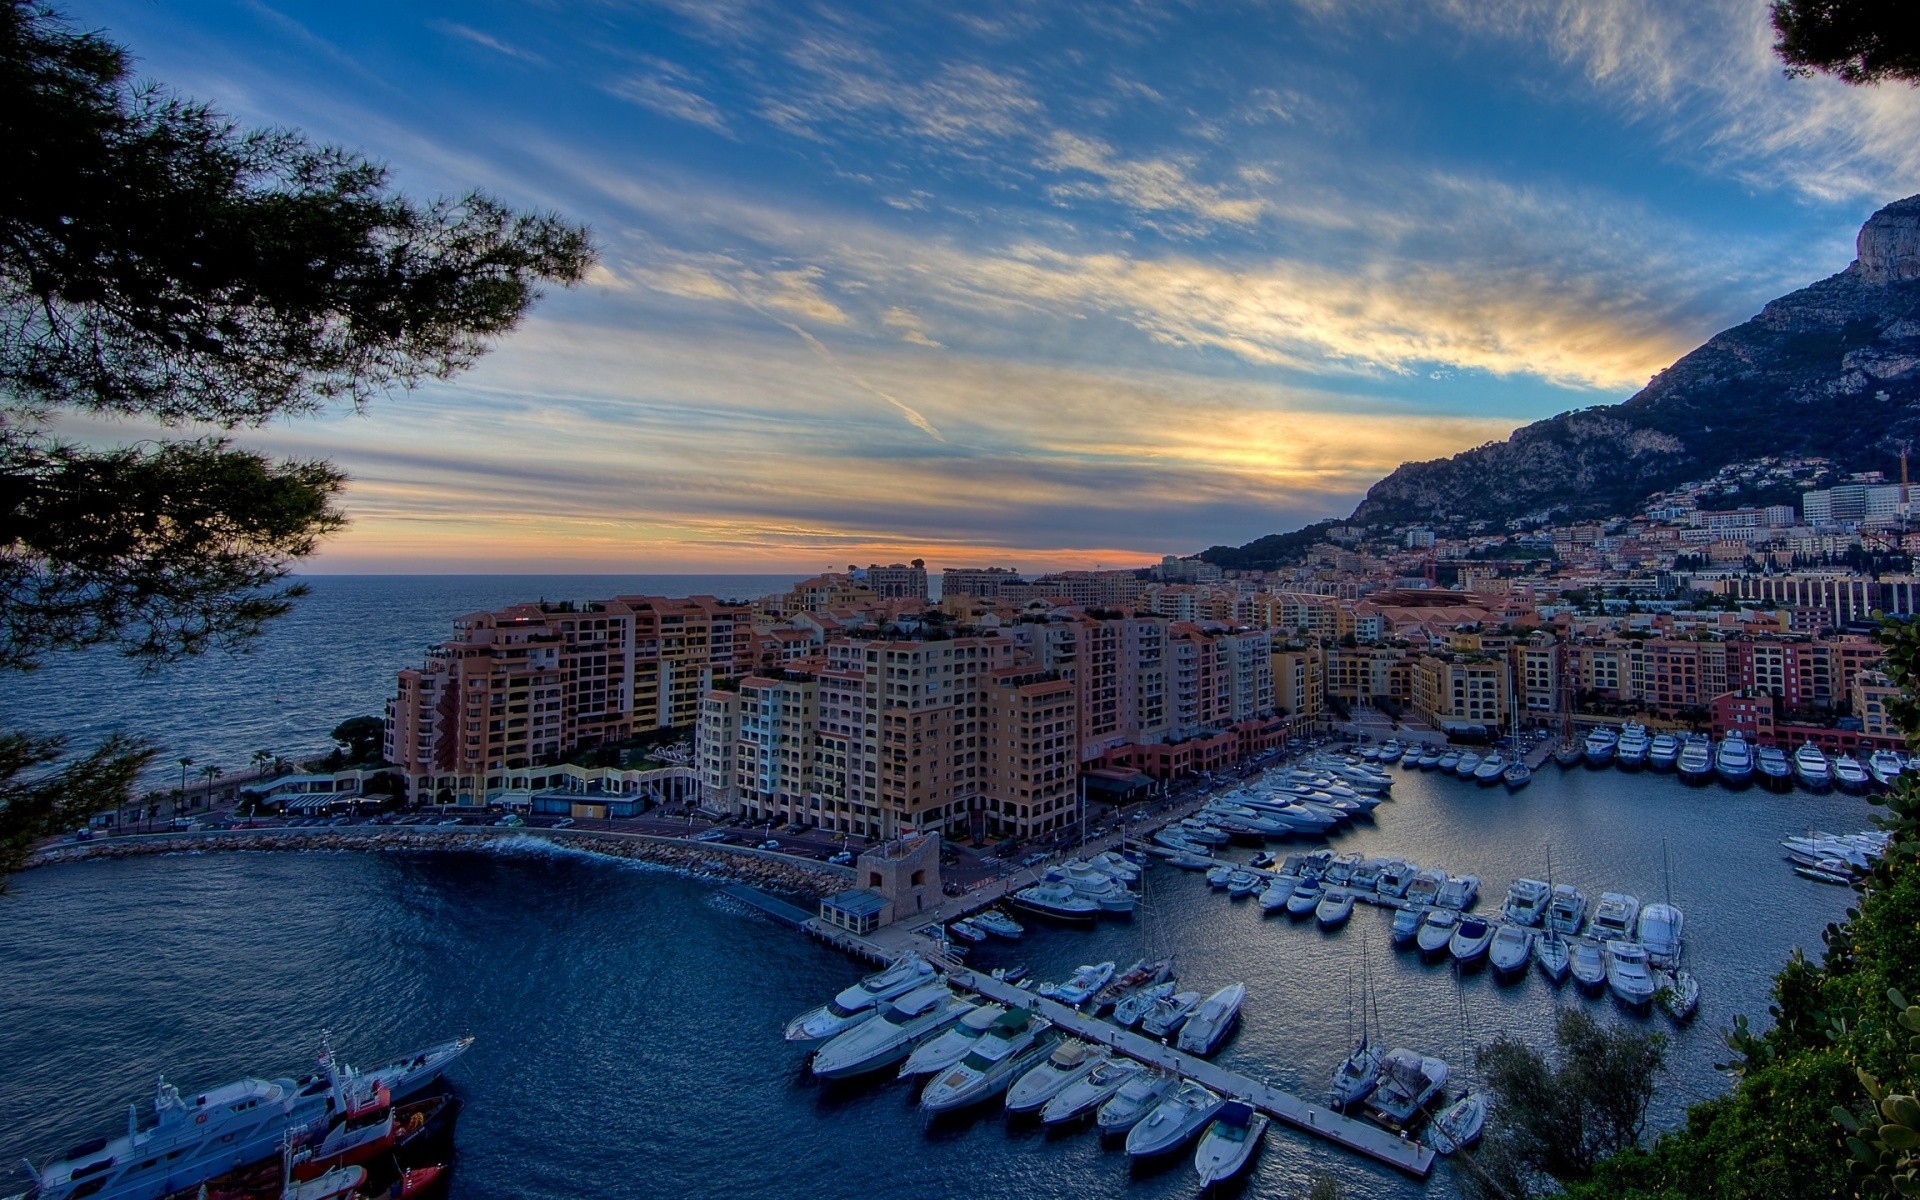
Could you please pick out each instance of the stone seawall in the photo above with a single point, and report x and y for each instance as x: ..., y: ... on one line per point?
x: 759, y: 868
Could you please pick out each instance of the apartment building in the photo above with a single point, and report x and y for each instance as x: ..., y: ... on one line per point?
x: 1460, y: 689
x: 982, y: 583
x: 1299, y: 681
x: 1030, y: 761
x: 901, y: 581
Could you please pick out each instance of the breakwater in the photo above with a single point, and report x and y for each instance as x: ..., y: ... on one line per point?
x: 763, y: 869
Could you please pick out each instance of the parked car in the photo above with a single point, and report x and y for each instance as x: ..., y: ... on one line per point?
x: 711, y: 835
x: 842, y: 858
x: 564, y: 823
x: 770, y: 844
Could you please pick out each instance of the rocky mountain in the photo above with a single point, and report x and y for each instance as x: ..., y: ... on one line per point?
x: 1832, y: 369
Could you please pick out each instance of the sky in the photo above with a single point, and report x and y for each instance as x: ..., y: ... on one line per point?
x: 1034, y: 284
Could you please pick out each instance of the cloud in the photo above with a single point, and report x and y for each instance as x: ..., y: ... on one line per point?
x: 469, y: 34
x: 909, y: 325
x: 1147, y: 185
x: 667, y: 90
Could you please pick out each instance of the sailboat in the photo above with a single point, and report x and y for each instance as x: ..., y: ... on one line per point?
x: 1517, y: 773
x: 1458, y: 1125
x: 1360, y: 1070
x: 1550, y: 948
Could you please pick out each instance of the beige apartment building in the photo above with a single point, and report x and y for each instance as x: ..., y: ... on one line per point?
x: 1460, y: 688
x: 1300, y: 682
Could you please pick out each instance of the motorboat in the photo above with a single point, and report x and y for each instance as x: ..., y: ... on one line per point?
x: 1569, y: 754
x: 1128, y: 1012
x: 1490, y: 769
x: 1830, y: 870
x: 1104, y: 890
x: 1133, y: 1100
x: 1406, y: 925
x: 1305, y: 898
x: 1395, y: 877
x: 1678, y: 993
x: 1196, y: 859
x: 1602, y: 743
x: 1081, y: 986
x: 1017, y: 1041
x: 1526, y: 902
x: 1517, y: 775
x: 1885, y: 766
x: 1425, y: 887
x: 1091, y: 1090
x: 1470, y: 940
x: 1366, y: 876
x: 1279, y: 889
x: 1696, y: 760
x: 1461, y: 892
x: 1218, y: 875
x: 1168, y: 1013
x: 1430, y: 757
x: 1774, y: 768
x: 1143, y: 974
x: 1858, y: 851
x: 1663, y: 752
x: 1408, y: 1083
x: 1180, y: 1115
x: 1630, y: 974
x: 1355, y: 1076
x: 1436, y: 931
x: 1204, y: 832
x: 964, y: 930
x: 1070, y: 1062
x: 1449, y: 762
x: 1631, y: 752
x: 1468, y: 764
x: 1458, y: 1125
x: 1057, y: 900
x: 1733, y: 761
x: 890, y: 1036
x: 1335, y: 907
x: 949, y: 1046
x: 1849, y: 775
x: 1175, y: 838
x: 1551, y: 956
x: 860, y: 1001
x: 1567, y: 911
x: 1812, y: 768
x: 1614, y: 916
x: 1587, y: 964
x: 1341, y: 869
x: 1262, y: 861
x: 1659, y: 929
x: 1242, y: 884
x: 1228, y: 1144
x: 1510, y: 950
x: 1392, y: 751
x: 1212, y: 1021
x: 998, y: 923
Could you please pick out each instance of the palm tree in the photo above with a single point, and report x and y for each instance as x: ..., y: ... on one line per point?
x: 212, y: 773
x: 185, y: 762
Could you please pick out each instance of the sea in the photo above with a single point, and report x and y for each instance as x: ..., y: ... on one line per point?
x: 628, y: 1020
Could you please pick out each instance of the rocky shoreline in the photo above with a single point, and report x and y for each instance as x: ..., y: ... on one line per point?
x: 777, y: 873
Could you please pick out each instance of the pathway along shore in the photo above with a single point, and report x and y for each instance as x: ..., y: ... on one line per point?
x: 759, y: 868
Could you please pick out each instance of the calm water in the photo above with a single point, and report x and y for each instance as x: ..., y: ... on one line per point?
x: 333, y: 657
x: 628, y: 1020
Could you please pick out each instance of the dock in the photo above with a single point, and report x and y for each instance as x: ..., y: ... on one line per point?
x: 1360, y: 1137
x: 779, y: 910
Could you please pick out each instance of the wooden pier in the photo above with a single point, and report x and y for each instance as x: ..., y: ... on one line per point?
x: 1361, y: 1137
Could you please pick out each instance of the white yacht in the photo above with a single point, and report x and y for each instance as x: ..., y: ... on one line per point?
x: 1366, y: 876
x: 1070, y: 1062
x: 1849, y: 774
x: 998, y: 923
x: 1167, y: 1013
x: 950, y: 1046
x: 1057, y: 900
x: 1664, y: 752
x: 1615, y: 915
x: 1341, y: 869
x: 1470, y: 940
x: 1228, y: 1144
x: 1510, y: 950
x: 1210, y: 1023
x: 1567, y: 911
x: 1335, y: 907
x: 1587, y: 964
x: 1812, y: 768
x: 1468, y: 764
x: 1526, y: 902
x: 1014, y: 1044
x: 1278, y: 891
x: 1408, y: 1083
x: 1406, y: 925
x: 1490, y: 769
x: 1174, y: 1121
x: 1395, y: 877
x: 1132, y: 1007
x: 890, y: 1037
x: 1629, y: 975
x: 1109, y: 893
x: 1885, y: 767
x: 860, y: 1001
x: 1091, y: 1090
x: 1436, y: 931
x: 1133, y: 1100
x: 1734, y: 761
x: 1425, y: 886
x: 1087, y: 979
x: 1659, y: 930
x: 1460, y: 893
x: 1305, y: 898
x: 1633, y: 748
x: 1696, y: 759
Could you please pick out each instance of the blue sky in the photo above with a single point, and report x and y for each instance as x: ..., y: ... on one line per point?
x: 1056, y: 283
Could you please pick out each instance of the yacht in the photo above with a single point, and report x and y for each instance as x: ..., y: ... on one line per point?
x: 944, y: 1049
x: 1218, y: 875
x: 1659, y: 930
x: 998, y: 923
x: 1885, y: 767
x: 1015, y: 1043
x: 1174, y: 1121
x: 1341, y: 869
x: 861, y: 1001
x: 1567, y: 912
x: 1468, y: 764
x: 1128, y: 1012
x: 966, y: 931
x: 1167, y: 1014
x: 1517, y: 775
x: 1278, y: 891
x: 1133, y: 1100
x: 1142, y: 974
x: 1811, y: 767
x: 1615, y: 915
x: 1587, y: 965
x: 1849, y: 774
x: 1459, y: 1124
x: 1305, y: 898
x: 1228, y: 1144
x: 1056, y: 900
x: 1774, y: 767
x: 890, y: 1037
x: 1491, y: 768
x: 1733, y: 761
x: 1663, y: 752
x: 1070, y: 1062
x: 1629, y: 975
x: 1510, y: 951
x: 1366, y: 876
x: 1242, y: 884
x: 1436, y: 931
x: 1204, y: 832
x: 1470, y: 940
x: 1091, y: 1090
x: 1449, y: 762
x: 1392, y: 751
x: 1426, y: 885
x: 1696, y: 760
x: 1602, y: 744
x: 1526, y: 902
x: 1408, y: 1083
x: 1406, y: 925
x: 1104, y: 890
x: 1569, y: 754
x: 1551, y: 956
x: 1335, y: 907
x: 1633, y: 748
x: 1395, y: 877
x: 1430, y: 757
x: 1212, y: 1021
x: 1080, y: 988
x: 1460, y: 893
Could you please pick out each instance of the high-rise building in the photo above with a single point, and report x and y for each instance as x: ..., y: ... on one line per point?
x: 899, y: 581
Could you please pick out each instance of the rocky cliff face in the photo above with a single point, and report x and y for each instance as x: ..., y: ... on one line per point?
x: 1832, y: 369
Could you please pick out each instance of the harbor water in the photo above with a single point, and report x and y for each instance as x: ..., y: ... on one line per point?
x: 628, y: 1020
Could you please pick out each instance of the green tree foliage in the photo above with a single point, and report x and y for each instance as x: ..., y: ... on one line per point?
x: 360, y: 741
x: 160, y: 263
x: 1855, y: 41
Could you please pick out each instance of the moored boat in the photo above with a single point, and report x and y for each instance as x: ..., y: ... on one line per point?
x: 1567, y: 911
x: 1070, y: 1062
x: 1510, y: 951
x: 1127, y: 1013
x: 1335, y: 907
x: 1773, y: 768
x: 1436, y: 931
x: 1408, y: 1083
x: 1810, y: 766
x: 1091, y: 1090
x: 1663, y: 752
x: 1057, y: 900
x: 1586, y: 964
x: 1016, y: 1042
x: 1849, y: 775
x: 944, y: 1049
x: 1526, y: 902
x: 1174, y: 1121
x: 1133, y: 1100
x: 1470, y: 940
x: 1212, y: 1021
x: 1406, y: 925
x: 1629, y: 975
x: 1168, y: 1013
x: 1458, y: 1125
x: 1733, y: 761
x: 1229, y: 1142
x: 1601, y: 746
x: 1696, y: 760
x: 890, y: 1036
x: 1550, y: 955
